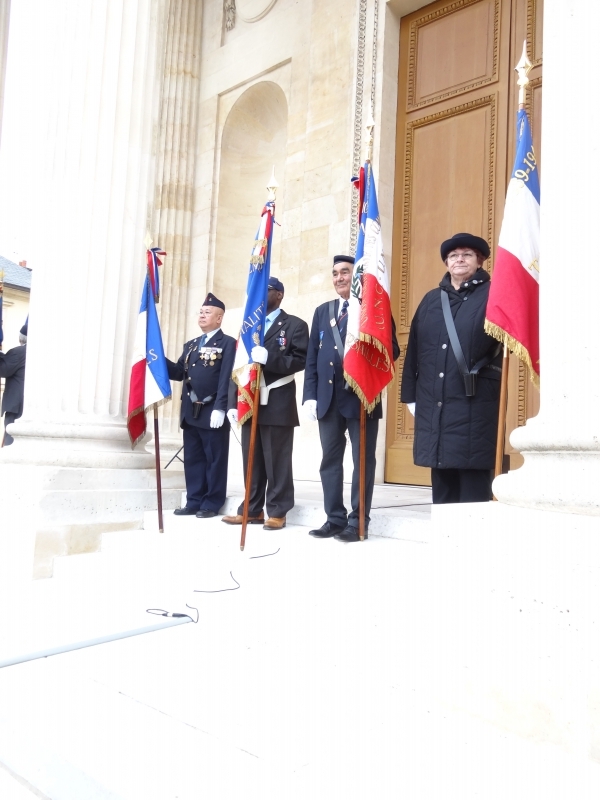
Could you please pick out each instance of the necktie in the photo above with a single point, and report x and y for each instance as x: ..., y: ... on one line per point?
x: 203, y: 339
x: 343, y: 314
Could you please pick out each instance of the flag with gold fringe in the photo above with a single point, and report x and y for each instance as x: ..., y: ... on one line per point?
x: 368, y: 357
x: 252, y: 330
x: 512, y: 314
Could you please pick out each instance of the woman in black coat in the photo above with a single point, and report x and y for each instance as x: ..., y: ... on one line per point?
x: 455, y: 434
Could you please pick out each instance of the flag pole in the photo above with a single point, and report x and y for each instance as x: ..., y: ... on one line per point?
x: 250, y: 465
x: 272, y: 190
x: 362, y: 448
x: 158, y: 481
x: 522, y: 69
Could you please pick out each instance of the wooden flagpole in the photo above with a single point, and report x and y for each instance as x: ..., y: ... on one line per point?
x: 361, y: 474
x: 522, y: 69
x: 502, y: 414
x: 250, y: 465
x: 158, y: 481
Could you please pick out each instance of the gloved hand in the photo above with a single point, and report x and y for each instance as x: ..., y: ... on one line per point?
x: 232, y: 416
x: 216, y: 418
x: 411, y: 407
x: 259, y: 355
x: 310, y: 410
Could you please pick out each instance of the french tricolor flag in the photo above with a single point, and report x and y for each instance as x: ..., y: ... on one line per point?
x: 149, y: 384
x: 512, y: 314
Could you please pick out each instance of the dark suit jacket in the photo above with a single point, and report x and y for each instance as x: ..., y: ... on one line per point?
x: 205, y: 380
x: 12, y: 367
x: 324, y: 368
x: 286, y: 341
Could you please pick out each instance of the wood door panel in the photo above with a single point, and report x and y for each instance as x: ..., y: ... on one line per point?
x: 457, y: 104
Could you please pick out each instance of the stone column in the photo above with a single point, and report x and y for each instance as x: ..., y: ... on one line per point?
x: 173, y: 193
x: 4, y: 25
x: 561, y: 445
x: 96, y: 83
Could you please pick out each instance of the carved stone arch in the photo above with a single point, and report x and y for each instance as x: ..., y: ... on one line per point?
x: 254, y: 140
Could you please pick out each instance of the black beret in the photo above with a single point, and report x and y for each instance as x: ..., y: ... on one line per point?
x: 465, y: 240
x: 276, y: 284
x: 23, y: 330
x: 349, y: 259
x: 211, y: 300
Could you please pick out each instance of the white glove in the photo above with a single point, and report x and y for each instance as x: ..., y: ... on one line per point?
x: 259, y: 355
x: 411, y: 407
x: 310, y: 410
x: 216, y: 418
x: 232, y: 416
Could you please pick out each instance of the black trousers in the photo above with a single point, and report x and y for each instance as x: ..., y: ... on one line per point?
x: 332, y: 430
x: 205, y: 458
x: 461, y: 485
x: 272, y: 469
x: 9, y: 418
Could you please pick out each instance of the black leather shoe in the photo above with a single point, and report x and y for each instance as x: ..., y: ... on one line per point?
x: 349, y: 534
x: 204, y: 513
x: 325, y: 531
x: 185, y: 511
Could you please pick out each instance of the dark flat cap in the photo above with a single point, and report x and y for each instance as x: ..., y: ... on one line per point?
x: 211, y: 300
x: 349, y: 259
x: 276, y: 284
x: 23, y: 330
x: 465, y: 240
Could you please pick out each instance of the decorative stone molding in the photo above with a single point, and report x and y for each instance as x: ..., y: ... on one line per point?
x: 358, y: 116
x: 259, y: 10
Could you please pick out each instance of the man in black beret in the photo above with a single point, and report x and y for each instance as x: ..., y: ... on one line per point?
x: 12, y: 367
x: 283, y: 355
x: 205, y: 369
x: 451, y: 377
x: 337, y: 408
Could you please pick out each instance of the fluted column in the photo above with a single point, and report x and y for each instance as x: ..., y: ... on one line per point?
x: 106, y: 97
x: 561, y: 445
x: 173, y: 192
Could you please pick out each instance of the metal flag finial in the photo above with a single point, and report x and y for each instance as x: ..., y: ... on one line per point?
x: 148, y: 240
x: 522, y: 69
x: 272, y: 186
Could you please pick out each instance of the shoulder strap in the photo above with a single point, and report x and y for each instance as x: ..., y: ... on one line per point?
x: 451, y: 328
x: 335, y: 330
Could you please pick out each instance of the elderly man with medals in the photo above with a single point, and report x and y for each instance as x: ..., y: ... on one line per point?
x: 451, y: 377
x: 205, y: 369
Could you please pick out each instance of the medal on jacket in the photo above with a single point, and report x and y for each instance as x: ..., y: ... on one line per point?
x: 281, y: 340
x: 321, y: 339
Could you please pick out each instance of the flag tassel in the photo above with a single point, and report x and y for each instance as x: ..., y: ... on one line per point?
x: 515, y: 347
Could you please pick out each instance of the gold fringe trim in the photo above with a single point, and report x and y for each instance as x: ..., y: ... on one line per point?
x: 260, y: 243
x: 371, y: 340
x: 140, y: 410
x: 514, y: 346
x: 246, y: 396
x: 257, y: 260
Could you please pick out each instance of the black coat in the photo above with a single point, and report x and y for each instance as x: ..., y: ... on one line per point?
x: 452, y: 431
x: 205, y: 380
x: 12, y: 367
x: 324, y: 368
x: 286, y: 342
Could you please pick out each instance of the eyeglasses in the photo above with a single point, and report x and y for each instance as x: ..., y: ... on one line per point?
x: 455, y: 256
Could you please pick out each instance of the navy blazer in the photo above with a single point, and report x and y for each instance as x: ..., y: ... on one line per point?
x: 205, y: 380
x: 12, y: 367
x: 286, y: 342
x: 324, y: 368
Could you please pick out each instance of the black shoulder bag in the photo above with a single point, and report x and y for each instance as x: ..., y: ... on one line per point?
x: 469, y: 375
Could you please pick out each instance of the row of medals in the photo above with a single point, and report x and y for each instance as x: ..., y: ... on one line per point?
x: 209, y: 358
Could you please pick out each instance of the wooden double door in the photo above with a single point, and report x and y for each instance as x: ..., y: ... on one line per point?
x: 455, y: 143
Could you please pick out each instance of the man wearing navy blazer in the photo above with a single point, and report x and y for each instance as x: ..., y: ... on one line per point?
x: 283, y: 354
x: 337, y: 409
x: 205, y: 369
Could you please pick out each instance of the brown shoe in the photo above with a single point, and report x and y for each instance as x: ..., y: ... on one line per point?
x: 237, y: 519
x: 274, y: 524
